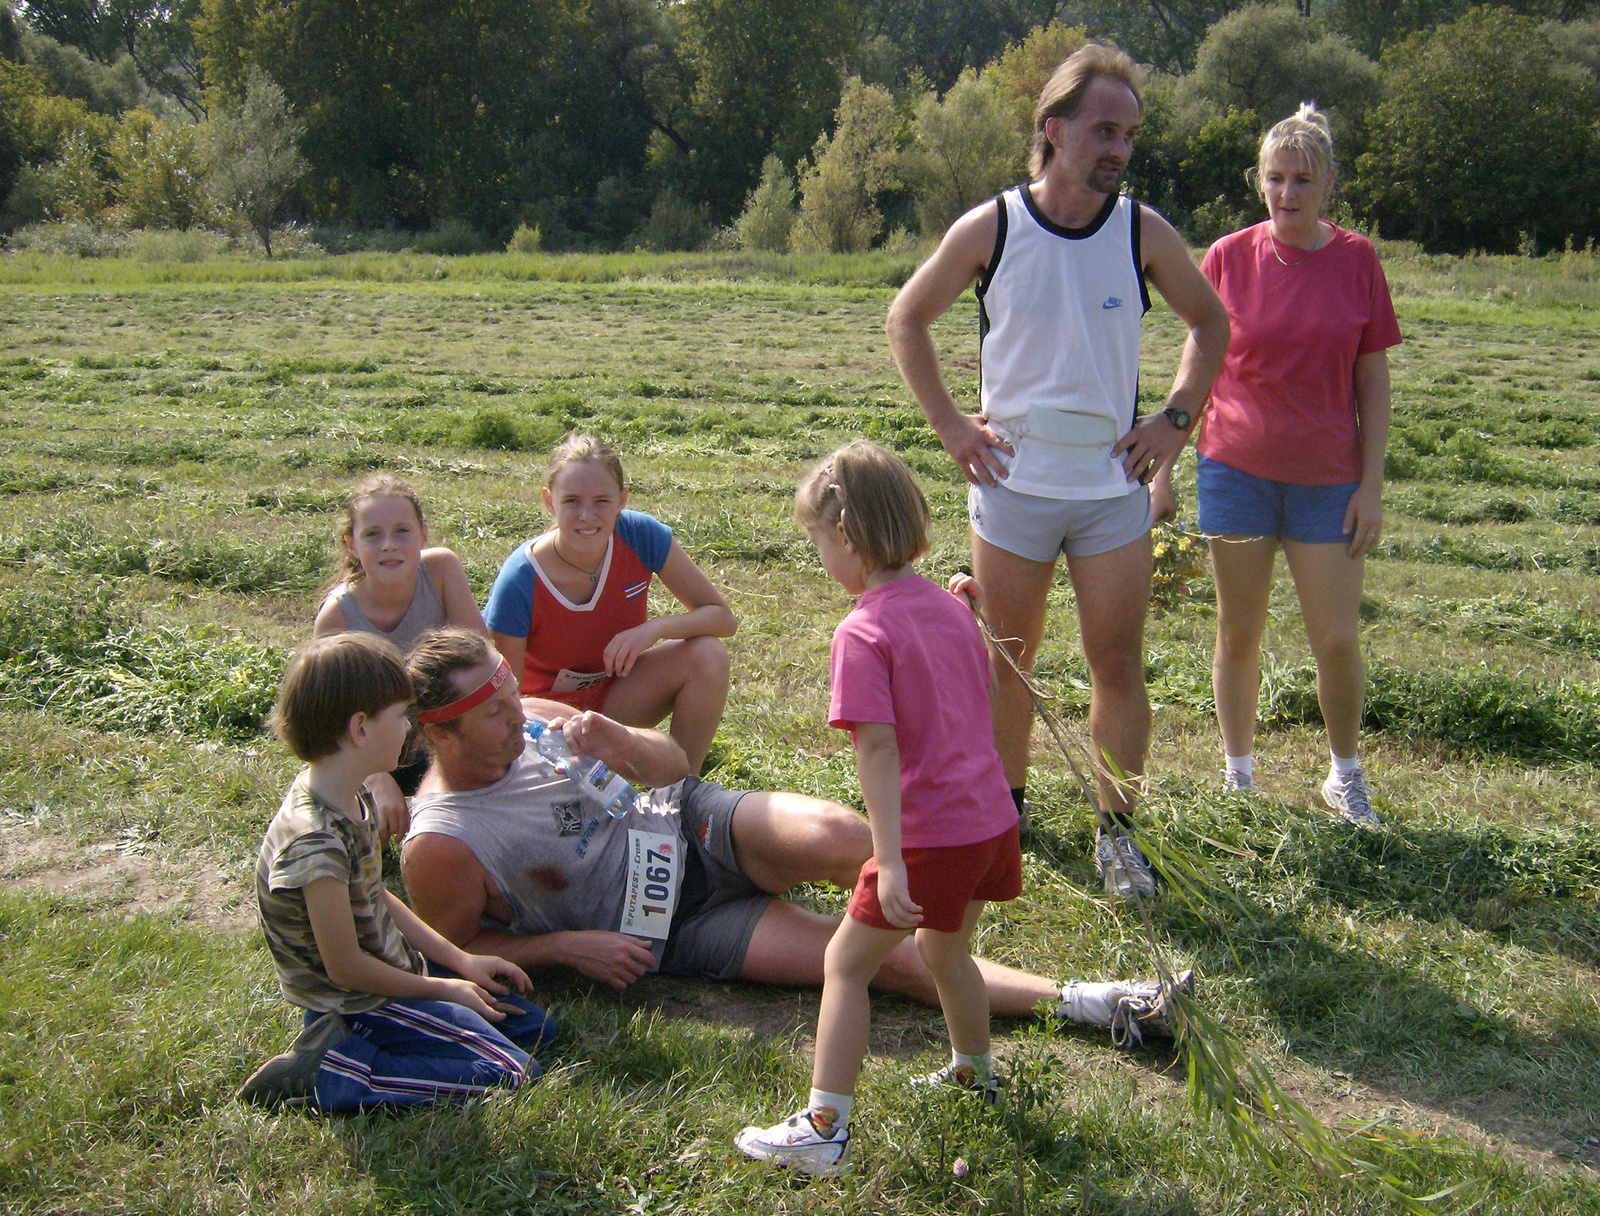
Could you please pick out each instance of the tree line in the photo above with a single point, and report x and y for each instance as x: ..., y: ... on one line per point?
x: 772, y: 124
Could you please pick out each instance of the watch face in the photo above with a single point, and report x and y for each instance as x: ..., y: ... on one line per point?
x: 1180, y: 418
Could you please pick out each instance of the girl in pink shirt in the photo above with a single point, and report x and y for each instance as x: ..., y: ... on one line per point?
x: 910, y: 679
x: 1292, y: 448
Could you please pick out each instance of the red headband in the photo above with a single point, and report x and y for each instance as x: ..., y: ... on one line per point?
x: 472, y: 700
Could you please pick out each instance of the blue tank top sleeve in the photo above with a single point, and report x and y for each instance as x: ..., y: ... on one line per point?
x: 647, y: 536
x: 510, y: 607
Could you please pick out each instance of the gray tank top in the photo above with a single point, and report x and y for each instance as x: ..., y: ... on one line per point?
x: 426, y: 612
x: 559, y: 864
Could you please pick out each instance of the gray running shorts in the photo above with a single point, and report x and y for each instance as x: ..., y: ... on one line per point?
x: 715, y: 919
x: 1040, y: 529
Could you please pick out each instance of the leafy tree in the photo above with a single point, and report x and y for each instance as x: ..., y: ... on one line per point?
x: 160, y: 172
x: 1484, y: 136
x: 10, y: 34
x: 1211, y: 184
x: 104, y: 88
x: 767, y: 220
x: 937, y: 40
x: 155, y: 35
x: 1268, y: 58
x: 20, y: 87
x: 965, y: 148
x: 766, y: 76
x: 1023, y: 69
x: 1165, y: 34
x: 254, y: 158
x: 840, y: 184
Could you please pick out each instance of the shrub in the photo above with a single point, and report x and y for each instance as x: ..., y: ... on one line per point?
x: 965, y: 149
x: 73, y: 239
x: 162, y: 245
x: 451, y: 238
x: 525, y: 239
x: 839, y: 186
x: 674, y: 224
x: 769, y: 214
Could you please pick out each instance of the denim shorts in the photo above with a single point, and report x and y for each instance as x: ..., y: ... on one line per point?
x: 1041, y: 529
x: 1236, y: 503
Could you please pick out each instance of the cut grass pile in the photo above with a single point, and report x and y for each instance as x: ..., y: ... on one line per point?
x: 177, y: 440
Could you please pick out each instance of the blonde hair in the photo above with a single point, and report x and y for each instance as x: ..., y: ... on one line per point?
x: 1306, y: 134
x: 578, y: 448
x: 381, y: 485
x: 877, y: 499
x: 1063, y: 92
x: 328, y: 683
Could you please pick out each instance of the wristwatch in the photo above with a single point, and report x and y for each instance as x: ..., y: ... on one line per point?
x: 1178, y: 418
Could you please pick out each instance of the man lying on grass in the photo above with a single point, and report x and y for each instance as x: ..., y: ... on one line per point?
x: 380, y: 1029
x: 505, y: 856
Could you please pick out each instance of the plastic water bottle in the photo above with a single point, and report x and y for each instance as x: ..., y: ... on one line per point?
x: 594, y: 780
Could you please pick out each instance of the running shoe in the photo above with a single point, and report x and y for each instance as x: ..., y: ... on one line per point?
x: 1348, y: 795
x: 1235, y: 782
x: 963, y: 1076
x: 1122, y: 867
x: 290, y: 1079
x: 796, y: 1143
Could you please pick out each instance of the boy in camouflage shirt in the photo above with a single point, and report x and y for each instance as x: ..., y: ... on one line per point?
x: 380, y: 1027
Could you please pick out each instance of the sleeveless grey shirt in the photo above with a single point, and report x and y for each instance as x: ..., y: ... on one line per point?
x: 426, y: 612
x: 559, y: 864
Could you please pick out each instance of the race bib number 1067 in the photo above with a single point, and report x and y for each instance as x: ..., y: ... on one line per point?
x: 655, y: 867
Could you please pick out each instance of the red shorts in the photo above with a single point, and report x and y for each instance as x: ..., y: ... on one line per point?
x: 945, y: 880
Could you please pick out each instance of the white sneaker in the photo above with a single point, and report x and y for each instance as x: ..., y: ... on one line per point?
x: 795, y: 1143
x: 1122, y: 867
x: 962, y: 1076
x: 1133, y: 1009
x: 1348, y: 795
x: 1235, y: 782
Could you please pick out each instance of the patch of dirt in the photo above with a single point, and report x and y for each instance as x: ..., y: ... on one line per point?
x: 123, y: 880
x: 107, y: 875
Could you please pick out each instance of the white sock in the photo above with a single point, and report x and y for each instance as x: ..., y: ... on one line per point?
x: 1245, y: 766
x: 982, y: 1066
x: 1344, y: 767
x: 830, y: 1112
x: 1089, y: 1004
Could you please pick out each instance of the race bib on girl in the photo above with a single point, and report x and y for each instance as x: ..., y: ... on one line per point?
x: 655, y: 871
x: 568, y: 680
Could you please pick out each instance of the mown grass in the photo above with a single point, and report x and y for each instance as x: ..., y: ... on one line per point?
x: 176, y: 441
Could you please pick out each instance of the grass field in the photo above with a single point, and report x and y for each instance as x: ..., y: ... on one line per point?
x: 174, y: 444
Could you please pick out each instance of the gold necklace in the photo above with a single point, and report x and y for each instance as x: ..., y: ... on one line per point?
x: 1273, y: 241
x: 592, y: 575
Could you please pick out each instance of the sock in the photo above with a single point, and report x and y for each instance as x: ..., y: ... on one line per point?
x: 1088, y: 1004
x: 1017, y: 795
x: 1245, y: 766
x: 982, y: 1066
x: 830, y: 1113
x: 1344, y: 767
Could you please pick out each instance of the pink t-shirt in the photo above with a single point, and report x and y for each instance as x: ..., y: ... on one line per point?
x: 1284, y: 406
x: 910, y: 655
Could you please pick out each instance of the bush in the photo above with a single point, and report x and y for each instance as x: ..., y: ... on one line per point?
x: 166, y: 245
x: 452, y: 238
x: 675, y: 224
x: 160, y: 173
x: 839, y: 187
x: 73, y: 239
x: 767, y: 221
x: 525, y: 239
x: 965, y: 150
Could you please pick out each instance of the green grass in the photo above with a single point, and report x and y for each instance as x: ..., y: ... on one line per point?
x: 175, y: 445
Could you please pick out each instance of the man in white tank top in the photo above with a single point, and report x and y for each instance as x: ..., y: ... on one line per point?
x: 1058, y: 461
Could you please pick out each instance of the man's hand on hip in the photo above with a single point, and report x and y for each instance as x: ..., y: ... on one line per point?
x: 1152, y: 443
x: 973, y: 446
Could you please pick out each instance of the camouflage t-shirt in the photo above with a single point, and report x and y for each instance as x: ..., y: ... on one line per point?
x: 308, y: 840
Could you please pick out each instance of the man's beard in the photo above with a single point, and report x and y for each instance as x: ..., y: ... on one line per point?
x: 1103, y: 178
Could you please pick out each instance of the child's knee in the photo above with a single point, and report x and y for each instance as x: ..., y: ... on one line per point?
x: 707, y: 657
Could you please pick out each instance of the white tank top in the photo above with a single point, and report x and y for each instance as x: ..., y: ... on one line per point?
x: 1059, y: 312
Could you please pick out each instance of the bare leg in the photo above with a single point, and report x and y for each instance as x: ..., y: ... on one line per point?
x: 1242, y: 568
x: 687, y: 679
x: 1014, y: 594
x: 788, y: 945
x: 845, y: 1018
x: 782, y: 839
x: 1328, y: 581
x: 962, y: 995
x: 1113, y: 593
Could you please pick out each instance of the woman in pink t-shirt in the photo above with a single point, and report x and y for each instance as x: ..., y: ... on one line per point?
x: 1291, y: 450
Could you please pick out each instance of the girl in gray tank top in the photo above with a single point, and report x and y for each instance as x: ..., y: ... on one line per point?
x: 390, y: 584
